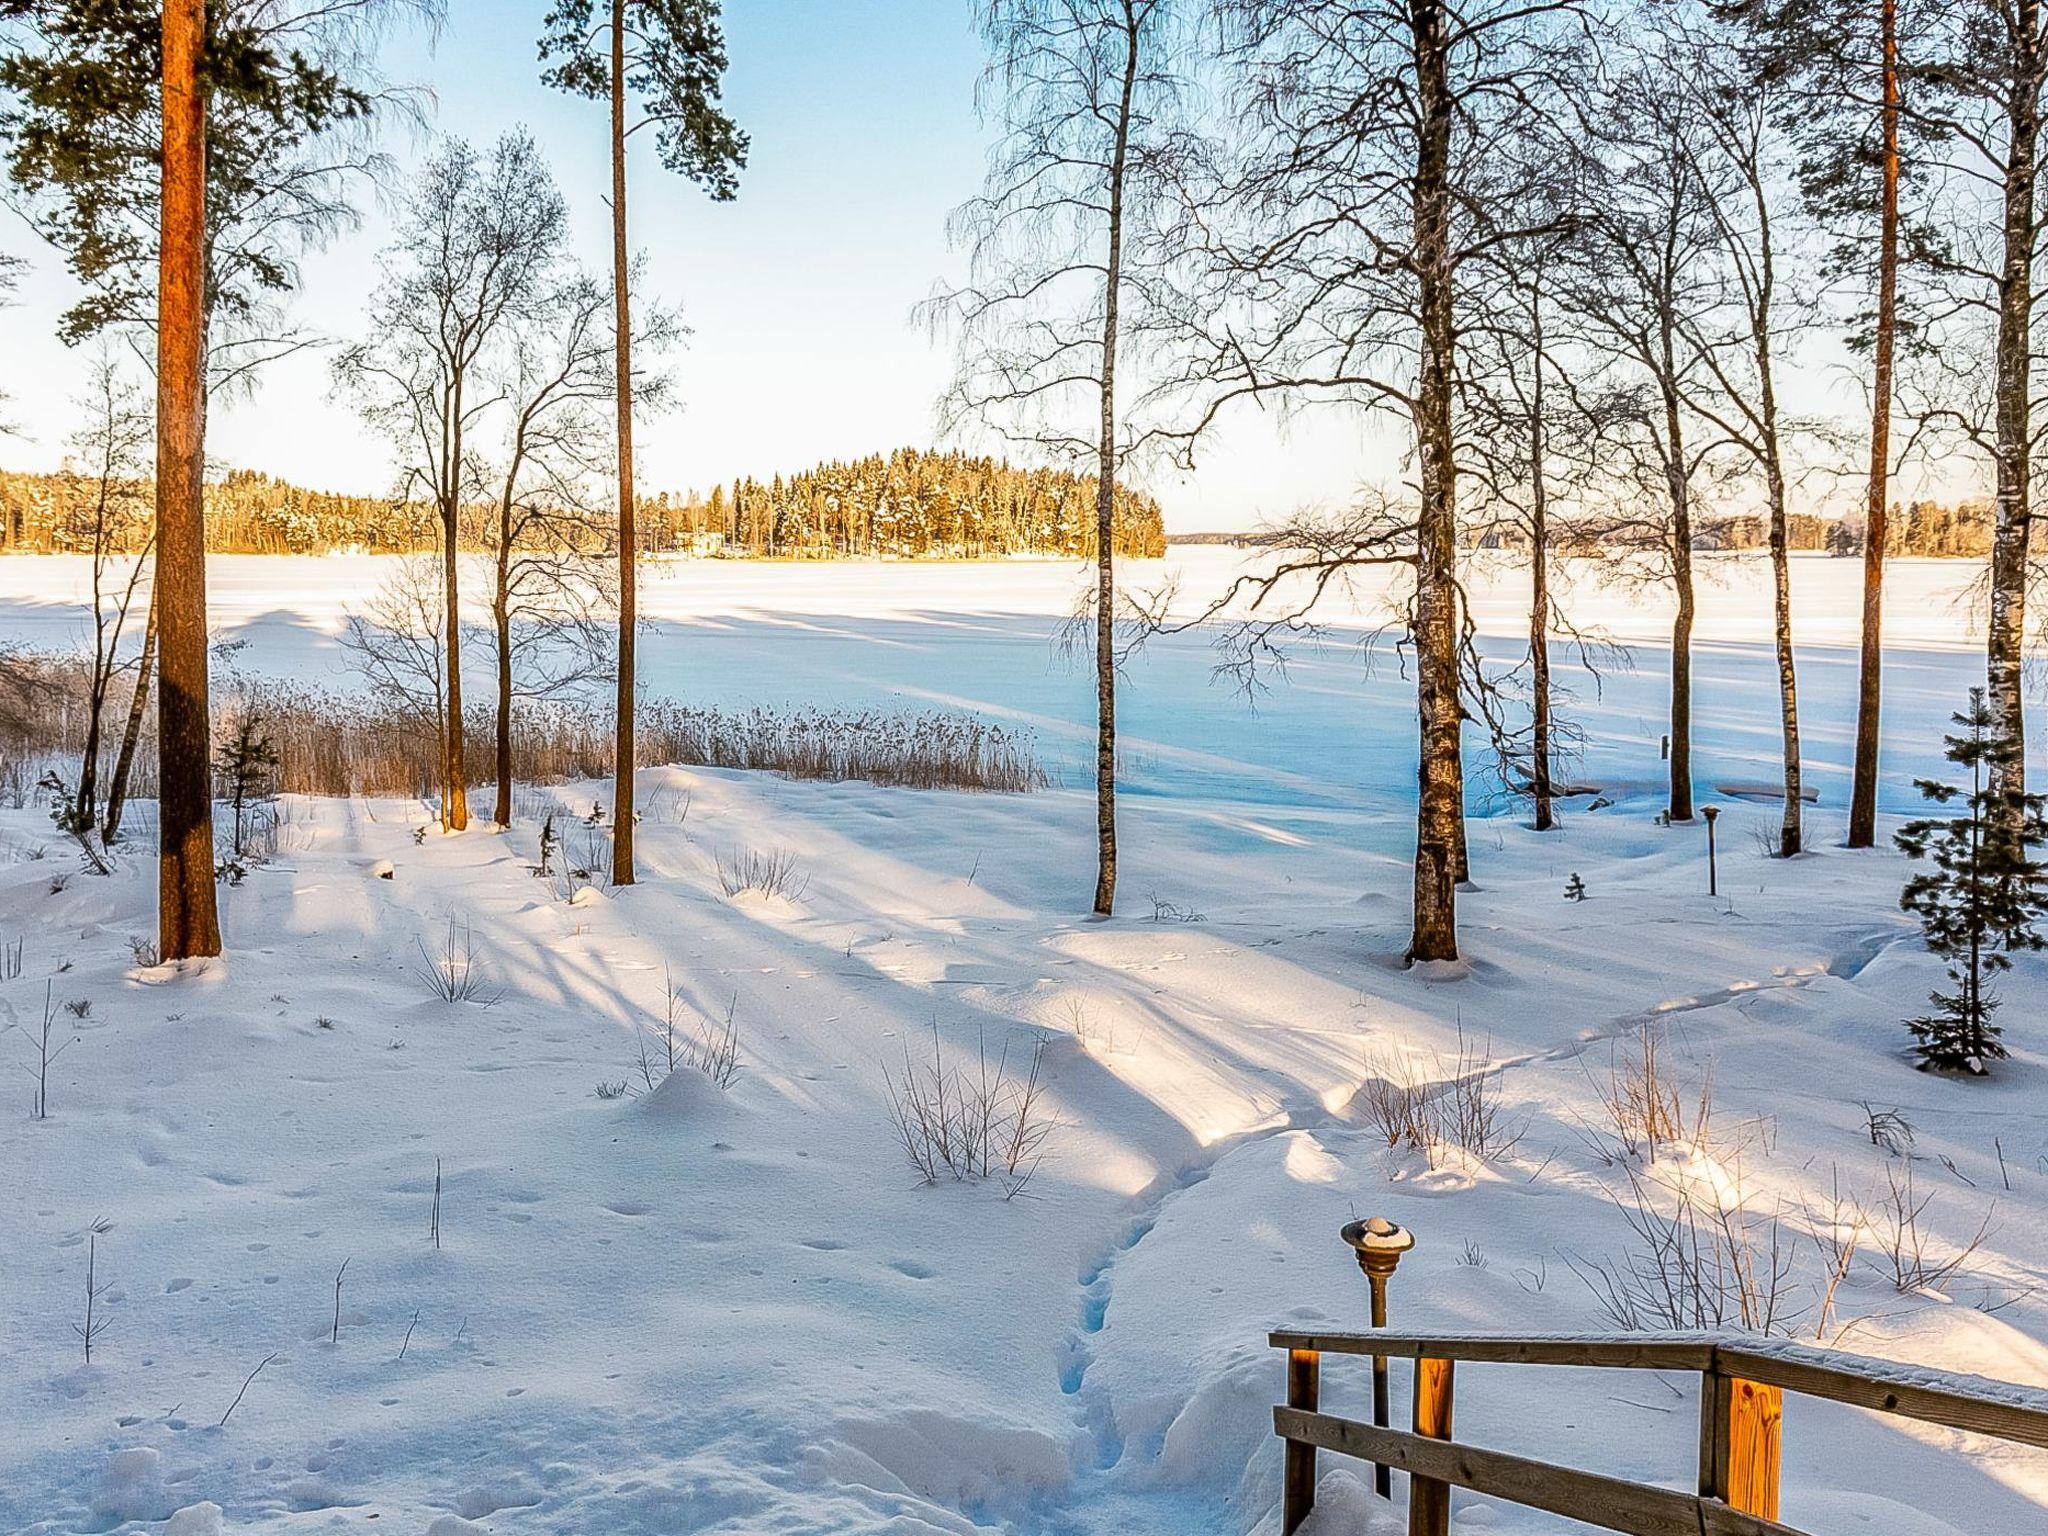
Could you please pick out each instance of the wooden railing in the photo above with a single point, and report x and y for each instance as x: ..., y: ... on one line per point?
x: 1742, y: 1383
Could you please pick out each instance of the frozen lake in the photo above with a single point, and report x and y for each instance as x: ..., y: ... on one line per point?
x: 983, y: 637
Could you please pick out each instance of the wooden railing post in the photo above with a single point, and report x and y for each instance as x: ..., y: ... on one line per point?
x: 1740, y: 1430
x: 1429, y: 1501
x: 1298, y: 1479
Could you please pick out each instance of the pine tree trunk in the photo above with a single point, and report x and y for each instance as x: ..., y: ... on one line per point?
x: 2011, y: 457
x: 1440, y: 809
x: 1105, y: 504
x: 1870, y: 676
x: 622, y: 757
x: 131, y: 733
x: 188, y: 924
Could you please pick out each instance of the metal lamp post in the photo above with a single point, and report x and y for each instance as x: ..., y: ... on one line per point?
x: 1712, y: 813
x: 1379, y: 1244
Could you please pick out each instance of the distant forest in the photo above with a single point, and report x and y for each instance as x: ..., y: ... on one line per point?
x: 906, y: 504
x: 1920, y: 528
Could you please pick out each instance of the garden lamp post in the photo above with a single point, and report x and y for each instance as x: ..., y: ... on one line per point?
x: 1379, y: 1244
x: 1712, y: 813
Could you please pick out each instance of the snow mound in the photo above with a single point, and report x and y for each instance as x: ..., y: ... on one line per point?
x: 201, y: 1519
x: 685, y: 1094
x: 587, y: 896
x: 132, y: 1486
x: 959, y: 1462
x: 453, y: 1525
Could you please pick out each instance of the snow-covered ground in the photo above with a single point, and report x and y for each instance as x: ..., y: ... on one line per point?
x: 695, y: 1310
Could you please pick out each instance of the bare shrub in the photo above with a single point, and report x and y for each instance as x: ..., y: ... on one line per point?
x: 1914, y: 1259
x: 775, y: 872
x: 1646, y: 1107
x: 95, y: 1320
x: 1448, y: 1108
x: 973, y: 1125
x: 1889, y: 1130
x: 715, y: 1050
x: 456, y: 973
x: 38, y: 1066
x: 1703, y: 1257
x: 10, y: 958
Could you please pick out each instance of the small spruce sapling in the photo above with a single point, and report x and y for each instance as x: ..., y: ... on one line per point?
x: 246, y: 766
x: 1575, y: 888
x: 1981, y: 901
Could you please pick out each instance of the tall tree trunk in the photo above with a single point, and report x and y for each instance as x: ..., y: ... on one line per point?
x: 1440, y: 802
x: 1679, y: 488
x: 1790, y: 831
x: 2011, y: 374
x: 131, y: 733
x: 501, y: 612
x: 188, y: 924
x: 1791, y: 837
x: 454, y: 769
x: 1105, y: 500
x: 1540, y: 788
x: 1870, y: 677
x: 622, y: 763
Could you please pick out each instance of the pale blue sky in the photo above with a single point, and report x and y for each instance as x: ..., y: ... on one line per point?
x: 800, y: 293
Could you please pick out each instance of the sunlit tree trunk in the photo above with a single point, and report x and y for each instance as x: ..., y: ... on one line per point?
x: 188, y: 924
x: 454, y: 773
x: 1870, y: 684
x: 1440, y: 811
x: 131, y: 733
x: 622, y: 769
x: 2012, y: 369
x: 1105, y: 503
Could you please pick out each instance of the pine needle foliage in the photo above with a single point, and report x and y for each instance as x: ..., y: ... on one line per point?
x: 1981, y: 901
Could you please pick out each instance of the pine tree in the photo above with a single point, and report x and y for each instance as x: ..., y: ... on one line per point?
x: 1982, y: 899
x: 669, y: 55
x: 247, y: 767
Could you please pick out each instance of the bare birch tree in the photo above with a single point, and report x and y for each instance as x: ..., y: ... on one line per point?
x: 1975, y: 85
x: 1342, y: 247
x: 109, y: 517
x: 1066, y: 255
x: 1641, y: 278
x: 477, y: 248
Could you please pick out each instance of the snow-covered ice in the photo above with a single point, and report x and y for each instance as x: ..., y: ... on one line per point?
x: 695, y: 1310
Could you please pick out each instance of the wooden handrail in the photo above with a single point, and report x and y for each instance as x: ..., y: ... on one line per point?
x: 1742, y: 1380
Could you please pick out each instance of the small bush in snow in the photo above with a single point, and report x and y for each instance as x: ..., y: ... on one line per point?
x: 95, y: 1320
x: 1575, y: 888
x: 1448, y: 1109
x: 10, y: 959
x: 1647, y: 1109
x: 1703, y: 1256
x: 773, y: 873
x: 456, y: 974
x: 615, y: 1090
x: 712, y: 1047
x: 988, y: 1122
x: 1915, y: 1260
x: 43, y: 1053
